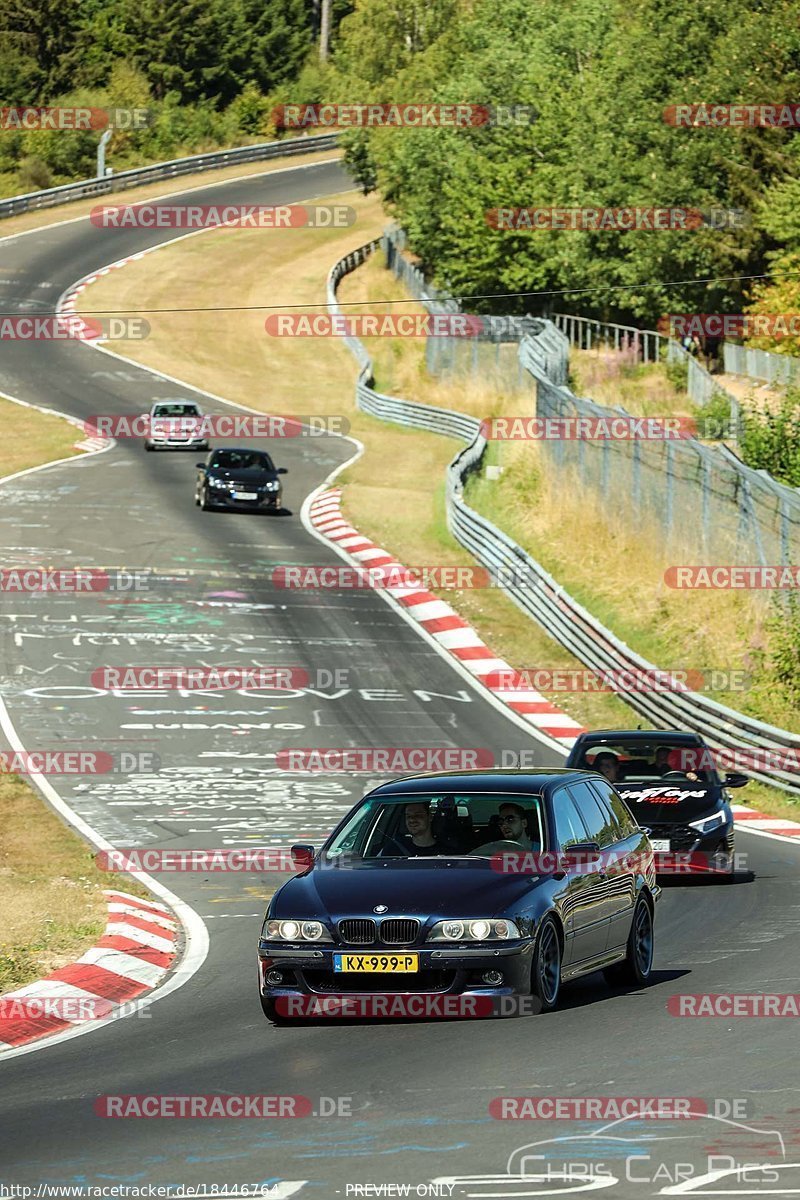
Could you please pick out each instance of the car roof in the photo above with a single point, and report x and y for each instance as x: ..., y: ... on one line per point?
x: 680, y: 736
x: 496, y: 781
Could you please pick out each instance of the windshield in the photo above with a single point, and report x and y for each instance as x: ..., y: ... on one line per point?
x: 242, y: 460
x: 176, y: 410
x: 622, y: 760
x: 428, y: 825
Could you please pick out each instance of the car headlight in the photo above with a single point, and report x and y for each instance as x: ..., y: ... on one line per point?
x: 272, y: 486
x: 468, y: 930
x: 707, y: 824
x: 295, y: 931
x: 217, y: 483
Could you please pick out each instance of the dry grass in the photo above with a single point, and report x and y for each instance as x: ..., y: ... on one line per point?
x: 616, y: 378
x: 82, y: 208
x: 29, y: 438
x: 51, y: 904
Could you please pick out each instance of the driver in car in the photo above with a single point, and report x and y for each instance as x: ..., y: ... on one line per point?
x: 668, y: 761
x: 512, y: 825
x: 419, y: 821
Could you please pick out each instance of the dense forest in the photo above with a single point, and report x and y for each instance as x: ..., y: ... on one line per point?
x: 598, y: 75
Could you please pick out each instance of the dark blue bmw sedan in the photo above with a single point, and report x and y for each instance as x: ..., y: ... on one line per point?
x: 483, y: 884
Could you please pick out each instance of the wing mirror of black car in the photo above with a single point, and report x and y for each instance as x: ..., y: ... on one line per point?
x: 736, y: 780
x: 202, y: 466
x: 283, y: 470
x: 302, y: 857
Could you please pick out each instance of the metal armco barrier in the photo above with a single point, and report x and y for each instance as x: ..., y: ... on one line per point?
x: 540, y: 596
x: 259, y: 152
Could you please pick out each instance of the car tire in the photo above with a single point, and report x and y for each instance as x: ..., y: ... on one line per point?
x: 637, y: 965
x: 724, y: 860
x: 546, y: 966
x: 148, y: 445
x: 204, y: 501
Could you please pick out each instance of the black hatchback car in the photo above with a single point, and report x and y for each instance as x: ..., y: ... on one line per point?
x: 478, y: 883
x: 239, y: 479
x: 670, y: 781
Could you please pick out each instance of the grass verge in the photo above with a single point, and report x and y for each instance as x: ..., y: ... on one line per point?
x: 29, y: 437
x: 52, y: 907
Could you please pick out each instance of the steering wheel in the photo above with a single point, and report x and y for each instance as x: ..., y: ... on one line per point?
x: 498, y: 847
x: 673, y: 774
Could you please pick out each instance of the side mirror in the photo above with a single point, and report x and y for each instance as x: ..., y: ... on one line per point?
x: 202, y: 466
x: 581, y: 856
x: 735, y: 780
x: 283, y: 470
x: 303, y: 857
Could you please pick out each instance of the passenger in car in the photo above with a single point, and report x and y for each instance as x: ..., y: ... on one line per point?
x: 606, y: 763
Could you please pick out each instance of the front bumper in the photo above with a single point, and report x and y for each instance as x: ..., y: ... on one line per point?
x: 164, y: 443
x: 692, y: 852
x: 449, y: 971
x: 264, y: 501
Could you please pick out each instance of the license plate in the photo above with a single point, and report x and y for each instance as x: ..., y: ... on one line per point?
x: 245, y: 495
x: 660, y: 845
x: 369, y: 964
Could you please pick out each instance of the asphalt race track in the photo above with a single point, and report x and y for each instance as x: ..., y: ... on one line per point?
x: 411, y: 1099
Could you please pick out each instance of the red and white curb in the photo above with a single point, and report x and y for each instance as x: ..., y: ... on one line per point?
x: 443, y: 623
x: 750, y: 818
x: 135, y: 953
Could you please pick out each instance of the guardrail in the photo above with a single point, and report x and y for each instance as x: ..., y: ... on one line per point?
x: 173, y: 168
x: 540, y: 596
x: 783, y: 369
